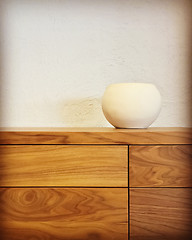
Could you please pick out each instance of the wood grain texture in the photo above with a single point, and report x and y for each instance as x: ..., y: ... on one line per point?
x: 161, y: 214
x: 63, y: 214
x: 160, y: 166
x: 57, y: 165
x: 95, y: 136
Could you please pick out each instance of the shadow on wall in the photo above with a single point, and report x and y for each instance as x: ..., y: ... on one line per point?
x: 1, y: 65
x: 82, y: 113
x: 190, y: 71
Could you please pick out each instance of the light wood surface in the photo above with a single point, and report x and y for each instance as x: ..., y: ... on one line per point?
x: 63, y: 214
x: 51, y: 161
x: 161, y: 214
x: 95, y: 136
x: 160, y: 166
x: 57, y: 165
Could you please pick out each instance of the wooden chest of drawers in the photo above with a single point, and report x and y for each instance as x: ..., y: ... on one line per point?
x: 102, y: 183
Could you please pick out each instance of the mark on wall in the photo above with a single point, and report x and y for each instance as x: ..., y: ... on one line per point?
x: 82, y: 113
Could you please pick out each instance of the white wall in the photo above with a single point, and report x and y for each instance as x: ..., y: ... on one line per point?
x: 57, y: 57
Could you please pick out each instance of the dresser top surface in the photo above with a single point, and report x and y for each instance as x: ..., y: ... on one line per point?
x: 169, y: 135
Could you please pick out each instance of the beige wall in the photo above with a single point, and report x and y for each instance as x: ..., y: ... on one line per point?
x: 57, y: 57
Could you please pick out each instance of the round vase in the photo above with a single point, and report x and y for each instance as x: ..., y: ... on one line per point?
x: 131, y: 105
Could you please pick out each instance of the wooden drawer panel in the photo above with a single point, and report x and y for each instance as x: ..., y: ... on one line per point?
x: 161, y: 214
x: 58, y: 213
x: 58, y: 165
x: 161, y: 166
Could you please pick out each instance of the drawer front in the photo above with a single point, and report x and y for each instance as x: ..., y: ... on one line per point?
x: 160, y: 166
x: 63, y: 214
x: 160, y: 214
x: 59, y: 165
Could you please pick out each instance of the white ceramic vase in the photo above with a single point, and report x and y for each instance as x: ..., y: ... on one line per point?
x: 131, y: 105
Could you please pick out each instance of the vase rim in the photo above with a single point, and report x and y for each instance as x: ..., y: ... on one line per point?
x: 132, y: 83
